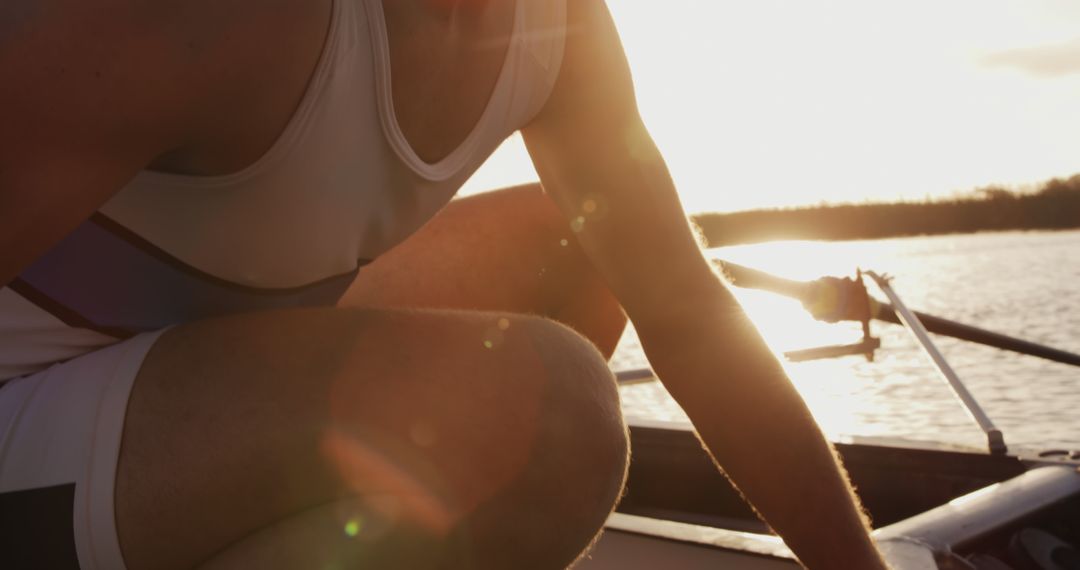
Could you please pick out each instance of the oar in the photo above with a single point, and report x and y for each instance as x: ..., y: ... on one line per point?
x: 743, y: 276
x: 994, y: 438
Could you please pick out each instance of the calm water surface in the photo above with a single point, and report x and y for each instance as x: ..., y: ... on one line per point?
x: 1024, y: 284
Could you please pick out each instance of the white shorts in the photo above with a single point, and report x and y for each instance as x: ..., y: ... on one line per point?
x: 60, y: 433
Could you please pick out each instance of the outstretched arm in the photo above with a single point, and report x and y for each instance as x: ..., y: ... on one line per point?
x: 598, y: 162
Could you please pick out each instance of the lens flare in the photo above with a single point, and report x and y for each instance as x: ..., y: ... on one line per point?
x: 371, y: 473
x: 352, y: 528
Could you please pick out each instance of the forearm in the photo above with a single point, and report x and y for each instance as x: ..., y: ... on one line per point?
x: 599, y: 163
x: 713, y: 360
x: 758, y: 429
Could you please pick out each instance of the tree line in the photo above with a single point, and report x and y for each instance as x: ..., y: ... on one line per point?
x: 1055, y: 204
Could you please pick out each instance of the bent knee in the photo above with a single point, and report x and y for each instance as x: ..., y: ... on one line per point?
x: 580, y: 381
x: 577, y: 466
x: 545, y: 400
x: 525, y: 426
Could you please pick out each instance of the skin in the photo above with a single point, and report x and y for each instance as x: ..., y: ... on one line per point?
x: 255, y: 431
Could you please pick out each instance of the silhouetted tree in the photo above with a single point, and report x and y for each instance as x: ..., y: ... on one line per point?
x: 1054, y: 205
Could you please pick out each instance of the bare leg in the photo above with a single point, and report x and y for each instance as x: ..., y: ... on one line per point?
x: 444, y: 451
x: 510, y: 250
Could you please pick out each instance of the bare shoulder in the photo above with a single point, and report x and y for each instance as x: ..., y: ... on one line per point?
x: 595, y: 76
x: 91, y: 92
x: 134, y: 68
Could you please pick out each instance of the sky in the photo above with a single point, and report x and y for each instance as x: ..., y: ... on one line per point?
x: 772, y: 103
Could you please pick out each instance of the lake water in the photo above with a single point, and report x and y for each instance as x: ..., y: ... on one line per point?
x: 1024, y: 284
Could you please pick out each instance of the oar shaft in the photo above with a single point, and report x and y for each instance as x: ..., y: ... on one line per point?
x: 938, y: 325
x: 743, y: 276
x: 749, y: 278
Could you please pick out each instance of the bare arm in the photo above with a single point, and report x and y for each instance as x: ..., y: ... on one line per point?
x: 92, y: 92
x: 597, y: 161
x: 69, y: 138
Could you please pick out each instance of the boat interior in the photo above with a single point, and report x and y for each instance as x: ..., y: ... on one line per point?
x: 934, y: 506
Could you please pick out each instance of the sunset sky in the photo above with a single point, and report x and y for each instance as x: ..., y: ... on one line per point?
x: 761, y: 103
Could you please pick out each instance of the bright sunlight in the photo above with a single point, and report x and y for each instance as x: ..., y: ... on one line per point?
x: 770, y: 103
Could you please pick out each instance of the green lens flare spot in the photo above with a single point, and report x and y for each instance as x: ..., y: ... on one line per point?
x: 352, y: 528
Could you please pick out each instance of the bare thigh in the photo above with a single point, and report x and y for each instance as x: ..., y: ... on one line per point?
x: 510, y: 250
x: 460, y: 419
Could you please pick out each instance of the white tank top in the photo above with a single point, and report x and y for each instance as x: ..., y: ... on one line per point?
x: 339, y: 187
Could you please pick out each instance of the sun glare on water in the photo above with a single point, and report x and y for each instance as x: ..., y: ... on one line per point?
x: 828, y: 386
x: 834, y: 394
